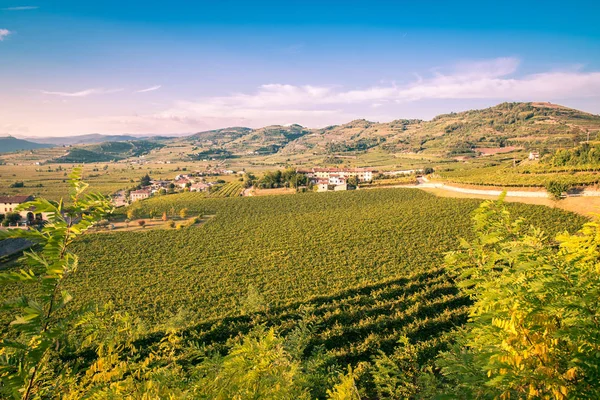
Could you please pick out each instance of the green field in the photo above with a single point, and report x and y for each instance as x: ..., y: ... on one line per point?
x: 288, y: 247
x: 365, y: 266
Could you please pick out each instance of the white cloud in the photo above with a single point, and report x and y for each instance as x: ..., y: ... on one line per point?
x: 490, y: 79
x: 150, y: 89
x: 82, y: 93
x: 4, y: 33
x: 20, y: 8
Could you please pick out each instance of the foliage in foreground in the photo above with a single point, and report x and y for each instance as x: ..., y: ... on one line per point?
x: 54, y: 350
x: 534, y: 330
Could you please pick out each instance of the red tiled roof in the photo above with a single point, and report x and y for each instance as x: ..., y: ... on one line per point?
x: 15, y: 199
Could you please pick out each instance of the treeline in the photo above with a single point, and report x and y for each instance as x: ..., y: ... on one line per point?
x: 279, y: 179
x: 585, y: 154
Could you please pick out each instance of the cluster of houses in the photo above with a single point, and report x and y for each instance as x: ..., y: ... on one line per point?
x: 335, y: 178
x: 194, y: 182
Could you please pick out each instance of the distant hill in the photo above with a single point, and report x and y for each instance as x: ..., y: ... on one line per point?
x: 108, y: 151
x: 218, y: 137
x: 85, y: 139
x: 529, y: 125
x: 267, y: 140
x: 9, y: 144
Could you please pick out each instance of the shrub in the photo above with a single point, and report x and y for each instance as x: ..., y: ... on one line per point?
x: 11, y: 218
x: 556, y: 189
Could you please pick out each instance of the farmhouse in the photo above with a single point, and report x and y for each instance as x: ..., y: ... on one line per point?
x: 183, y: 183
x: 139, y: 195
x: 8, y: 204
x: 534, y: 155
x: 403, y: 172
x: 199, y: 187
x: 363, y: 174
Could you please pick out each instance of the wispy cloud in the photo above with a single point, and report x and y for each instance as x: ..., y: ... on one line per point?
x: 150, y: 89
x: 20, y: 8
x: 489, y: 79
x: 82, y: 93
x: 4, y: 33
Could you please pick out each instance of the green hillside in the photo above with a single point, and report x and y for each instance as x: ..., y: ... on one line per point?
x: 267, y: 140
x: 9, y: 144
x: 218, y: 137
x: 522, y: 125
x: 108, y: 151
x: 507, y: 124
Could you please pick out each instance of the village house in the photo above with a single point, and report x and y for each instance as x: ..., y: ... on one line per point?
x: 363, y: 174
x: 336, y: 179
x: 183, y: 183
x: 8, y: 204
x: 139, y: 195
x: 119, y: 198
x: 534, y: 155
x: 199, y: 187
x: 403, y: 172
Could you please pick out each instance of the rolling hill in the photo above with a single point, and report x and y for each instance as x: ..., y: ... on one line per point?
x: 9, y: 144
x: 528, y: 125
x: 108, y: 151
x: 84, y: 139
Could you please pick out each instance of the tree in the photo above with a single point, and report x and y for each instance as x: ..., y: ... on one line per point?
x: 39, y: 326
x: 164, y: 216
x: 145, y: 181
x: 345, y: 389
x: 556, y: 189
x: 183, y: 212
x: 153, y: 213
x: 353, y: 181
x: 11, y: 218
x: 142, y: 223
x: 133, y: 212
x: 535, y: 319
x: 257, y: 367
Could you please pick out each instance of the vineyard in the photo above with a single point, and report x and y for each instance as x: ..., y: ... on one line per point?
x: 519, y: 177
x: 288, y: 247
x: 231, y: 189
x: 365, y: 266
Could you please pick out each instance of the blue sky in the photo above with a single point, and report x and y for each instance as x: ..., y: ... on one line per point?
x: 75, y: 67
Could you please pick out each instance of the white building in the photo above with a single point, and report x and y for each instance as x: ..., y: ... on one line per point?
x: 199, y: 187
x: 9, y: 204
x: 139, y: 195
x: 363, y: 174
